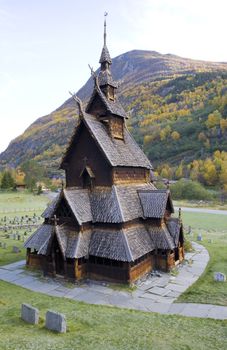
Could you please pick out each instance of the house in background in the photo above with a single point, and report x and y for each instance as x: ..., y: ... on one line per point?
x: 110, y: 222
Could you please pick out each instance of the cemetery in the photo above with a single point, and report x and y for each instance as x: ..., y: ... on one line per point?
x: 14, y: 230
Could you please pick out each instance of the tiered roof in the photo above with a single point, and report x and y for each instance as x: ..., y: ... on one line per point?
x: 124, y: 244
x: 116, y: 204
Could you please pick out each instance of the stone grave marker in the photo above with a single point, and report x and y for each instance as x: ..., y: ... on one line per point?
x: 55, y: 322
x: 199, y: 237
x: 29, y: 314
x: 219, y: 277
x: 4, y: 245
x: 0, y: 244
x: 15, y: 249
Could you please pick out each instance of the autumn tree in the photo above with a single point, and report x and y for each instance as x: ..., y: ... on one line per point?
x: 175, y: 135
x: 165, y: 132
x: 33, y: 173
x: 210, y: 173
x: 223, y: 125
x: 213, y: 119
x: 179, y: 171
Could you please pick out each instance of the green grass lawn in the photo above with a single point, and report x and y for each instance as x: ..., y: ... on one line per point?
x: 102, y: 327
x: 21, y: 202
x: 214, y: 227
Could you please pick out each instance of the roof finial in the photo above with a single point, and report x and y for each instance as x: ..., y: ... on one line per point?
x: 79, y: 103
x: 94, y: 76
x: 179, y: 214
x: 105, y: 14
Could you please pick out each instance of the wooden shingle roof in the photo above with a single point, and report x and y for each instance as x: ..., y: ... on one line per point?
x: 105, y: 78
x: 105, y: 55
x: 40, y: 238
x: 73, y: 244
x: 118, y: 152
x: 79, y: 202
x: 113, y: 107
x: 126, y: 244
x: 154, y: 202
x: 161, y: 237
x: 174, y: 227
x: 118, y: 204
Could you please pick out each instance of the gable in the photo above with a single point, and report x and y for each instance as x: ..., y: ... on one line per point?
x: 155, y: 203
x: 96, y: 105
x: 63, y: 210
x: 85, y: 152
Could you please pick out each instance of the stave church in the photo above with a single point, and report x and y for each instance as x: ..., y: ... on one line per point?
x: 109, y: 222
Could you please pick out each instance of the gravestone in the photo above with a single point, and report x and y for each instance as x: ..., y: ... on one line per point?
x: 4, y: 245
x: 29, y: 314
x: 199, y: 237
x: 219, y: 277
x: 0, y: 244
x: 55, y: 322
x: 16, y: 249
x: 14, y: 236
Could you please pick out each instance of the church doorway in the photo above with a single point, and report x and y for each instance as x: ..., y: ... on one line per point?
x: 58, y: 259
x: 59, y: 262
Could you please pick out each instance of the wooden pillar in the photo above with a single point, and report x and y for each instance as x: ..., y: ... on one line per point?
x: 28, y: 256
x: 76, y: 268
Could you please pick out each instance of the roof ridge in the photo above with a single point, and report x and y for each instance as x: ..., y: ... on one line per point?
x: 73, y: 210
x: 118, y: 202
x: 128, y: 250
x: 59, y: 241
x: 94, y: 136
x: 77, y: 244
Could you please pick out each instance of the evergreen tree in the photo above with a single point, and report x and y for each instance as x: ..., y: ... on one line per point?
x: 7, y: 180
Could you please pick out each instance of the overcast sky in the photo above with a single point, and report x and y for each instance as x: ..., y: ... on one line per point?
x: 46, y: 45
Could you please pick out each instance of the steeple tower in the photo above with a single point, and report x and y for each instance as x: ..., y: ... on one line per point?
x: 106, y: 82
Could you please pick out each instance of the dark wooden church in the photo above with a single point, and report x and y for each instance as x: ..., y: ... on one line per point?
x: 110, y: 222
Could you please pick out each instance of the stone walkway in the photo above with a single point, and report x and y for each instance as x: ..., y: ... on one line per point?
x: 155, y: 294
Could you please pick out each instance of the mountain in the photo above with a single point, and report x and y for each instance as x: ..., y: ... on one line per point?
x: 168, y: 99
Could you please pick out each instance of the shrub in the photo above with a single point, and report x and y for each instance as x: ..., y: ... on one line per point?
x: 187, y: 246
x: 188, y: 189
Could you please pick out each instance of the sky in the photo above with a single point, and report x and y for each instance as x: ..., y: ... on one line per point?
x: 46, y: 46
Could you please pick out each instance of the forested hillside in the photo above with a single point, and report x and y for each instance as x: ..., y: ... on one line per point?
x: 177, y: 112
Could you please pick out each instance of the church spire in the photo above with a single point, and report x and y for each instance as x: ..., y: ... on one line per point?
x: 106, y: 82
x: 105, y: 14
x: 105, y: 56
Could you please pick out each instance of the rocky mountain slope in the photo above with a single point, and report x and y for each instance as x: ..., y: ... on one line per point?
x: 168, y: 99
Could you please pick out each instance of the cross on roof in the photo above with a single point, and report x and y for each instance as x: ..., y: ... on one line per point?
x: 55, y: 220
